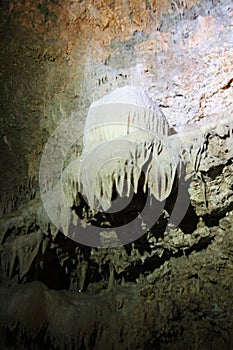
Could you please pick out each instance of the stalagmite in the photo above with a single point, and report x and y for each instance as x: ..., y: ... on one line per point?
x: 82, y: 271
x: 111, y: 277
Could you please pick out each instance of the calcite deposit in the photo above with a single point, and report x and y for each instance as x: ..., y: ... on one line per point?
x: 170, y: 285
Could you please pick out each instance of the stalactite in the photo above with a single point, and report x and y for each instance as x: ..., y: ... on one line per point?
x: 25, y: 248
x: 124, y: 134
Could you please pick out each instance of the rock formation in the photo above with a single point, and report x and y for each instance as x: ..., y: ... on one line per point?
x: 170, y: 284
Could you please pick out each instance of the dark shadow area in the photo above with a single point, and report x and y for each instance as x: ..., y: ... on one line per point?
x: 203, y: 243
x: 190, y: 221
x: 213, y: 218
x: 52, y: 274
x: 25, y: 342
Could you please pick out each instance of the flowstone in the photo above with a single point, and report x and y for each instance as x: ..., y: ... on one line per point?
x: 125, y: 134
x: 132, y: 160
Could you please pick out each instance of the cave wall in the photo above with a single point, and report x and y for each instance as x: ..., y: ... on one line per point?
x: 58, y: 57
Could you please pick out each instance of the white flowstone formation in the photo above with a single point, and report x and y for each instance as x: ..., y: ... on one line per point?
x: 125, y: 133
x: 120, y: 113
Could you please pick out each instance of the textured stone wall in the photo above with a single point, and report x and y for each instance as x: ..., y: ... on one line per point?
x: 167, y: 290
x: 60, y: 56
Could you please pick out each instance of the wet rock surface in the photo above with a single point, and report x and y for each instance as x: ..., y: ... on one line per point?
x: 171, y: 288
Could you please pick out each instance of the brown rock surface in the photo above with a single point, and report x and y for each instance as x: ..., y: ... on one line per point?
x: 170, y: 289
